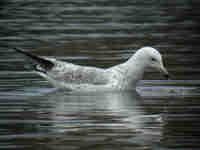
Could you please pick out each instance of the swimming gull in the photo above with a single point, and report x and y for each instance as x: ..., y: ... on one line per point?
x: 85, y: 78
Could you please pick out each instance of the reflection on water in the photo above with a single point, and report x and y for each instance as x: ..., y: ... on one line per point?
x: 117, y: 108
x: 56, y: 119
x: 110, y: 120
x: 165, y: 114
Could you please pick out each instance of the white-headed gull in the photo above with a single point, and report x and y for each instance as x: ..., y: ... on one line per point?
x: 85, y: 78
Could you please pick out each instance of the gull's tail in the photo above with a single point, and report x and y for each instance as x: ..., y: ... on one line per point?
x: 42, y: 64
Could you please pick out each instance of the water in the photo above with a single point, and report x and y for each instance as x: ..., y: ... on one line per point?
x: 162, y: 114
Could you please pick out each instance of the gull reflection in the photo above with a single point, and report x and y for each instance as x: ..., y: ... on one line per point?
x: 73, y: 111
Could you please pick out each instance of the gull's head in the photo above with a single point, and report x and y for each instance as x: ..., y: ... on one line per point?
x: 151, y: 58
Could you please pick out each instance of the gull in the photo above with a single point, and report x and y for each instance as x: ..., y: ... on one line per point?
x: 79, y: 78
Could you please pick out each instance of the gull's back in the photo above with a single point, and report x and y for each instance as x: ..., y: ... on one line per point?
x: 81, y: 78
x: 68, y: 75
x: 75, y: 74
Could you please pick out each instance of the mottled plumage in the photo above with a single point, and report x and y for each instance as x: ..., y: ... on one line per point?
x: 84, y: 78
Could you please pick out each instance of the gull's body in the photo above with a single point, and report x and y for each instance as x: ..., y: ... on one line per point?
x: 84, y: 78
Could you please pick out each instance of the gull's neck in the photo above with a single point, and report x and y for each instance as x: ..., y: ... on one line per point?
x: 132, y: 70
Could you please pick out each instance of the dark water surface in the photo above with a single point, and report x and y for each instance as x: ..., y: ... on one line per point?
x: 161, y: 115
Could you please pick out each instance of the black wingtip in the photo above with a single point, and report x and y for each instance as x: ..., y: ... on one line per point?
x: 22, y: 51
x: 44, y: 63
x: 18, y: 49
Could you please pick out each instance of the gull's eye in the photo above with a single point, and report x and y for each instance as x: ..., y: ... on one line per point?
x: 153, y: 59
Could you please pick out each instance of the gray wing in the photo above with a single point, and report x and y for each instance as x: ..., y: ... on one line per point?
x: 67, y: 72
x: 75, y: 74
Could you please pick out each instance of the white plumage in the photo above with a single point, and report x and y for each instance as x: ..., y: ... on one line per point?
x: 84, y: 78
